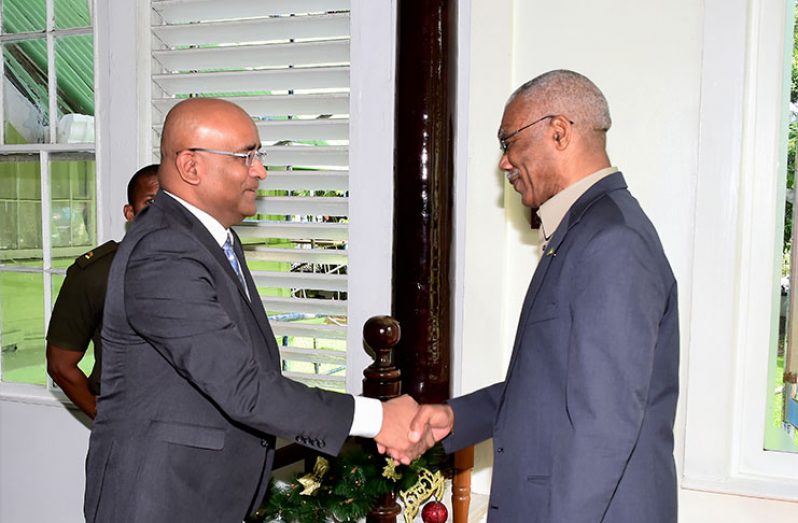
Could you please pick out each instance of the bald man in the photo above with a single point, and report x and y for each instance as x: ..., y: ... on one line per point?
x: 193, y: 396
x: 582, y: 424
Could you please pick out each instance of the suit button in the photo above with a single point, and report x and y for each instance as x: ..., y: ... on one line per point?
x: 500, y: 450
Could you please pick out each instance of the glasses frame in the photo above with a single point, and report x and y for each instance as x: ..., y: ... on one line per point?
x: 249, y: 157
x: 504, y: 144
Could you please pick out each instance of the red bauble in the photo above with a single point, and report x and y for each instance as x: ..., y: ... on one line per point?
x: 434, y: 512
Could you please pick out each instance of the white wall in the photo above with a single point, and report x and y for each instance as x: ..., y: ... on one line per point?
x: 42, y: 453
x: 681, y: 80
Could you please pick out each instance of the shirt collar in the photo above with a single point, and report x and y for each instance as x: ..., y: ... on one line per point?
x: 553, y: 210
x: 216, y: 229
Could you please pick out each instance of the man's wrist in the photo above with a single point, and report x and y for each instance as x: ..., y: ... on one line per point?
x: 367, y: 419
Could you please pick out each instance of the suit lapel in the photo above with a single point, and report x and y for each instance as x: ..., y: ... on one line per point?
x: 549, y: 257
x: 184, y: 218
x: 529, y: 302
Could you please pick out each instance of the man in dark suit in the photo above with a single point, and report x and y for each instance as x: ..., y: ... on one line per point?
x: 192, y: 393
x: 582, y: 425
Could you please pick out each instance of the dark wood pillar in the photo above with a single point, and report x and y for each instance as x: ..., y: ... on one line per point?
x: 423, y: 179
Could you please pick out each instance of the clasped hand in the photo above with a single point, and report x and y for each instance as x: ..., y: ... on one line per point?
x: 409, y: 429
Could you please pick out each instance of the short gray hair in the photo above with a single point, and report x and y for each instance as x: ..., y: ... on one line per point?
x: 570, y: 94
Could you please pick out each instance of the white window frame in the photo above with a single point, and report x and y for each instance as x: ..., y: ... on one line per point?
x: 371, y: 130
x: 45, y: 150
x: 115, y: 86
x: 733, y: 310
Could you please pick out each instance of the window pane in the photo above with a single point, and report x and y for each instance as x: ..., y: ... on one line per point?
x: 22, y: 327
x: 73, y: 227
x: 22, y: 16
x: 20, y: 210
x: 25, y: 101
x: 74, y: 65
x: 72, y: 13
x: 781, y: 425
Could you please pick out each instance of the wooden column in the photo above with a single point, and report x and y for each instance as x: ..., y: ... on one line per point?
x: 426, y: 57
x: 423, y: 174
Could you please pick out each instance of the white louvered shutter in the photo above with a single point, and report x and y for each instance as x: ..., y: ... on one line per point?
x: 286, y: 62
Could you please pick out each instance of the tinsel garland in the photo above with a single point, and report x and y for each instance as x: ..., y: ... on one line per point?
x: 346, y: 488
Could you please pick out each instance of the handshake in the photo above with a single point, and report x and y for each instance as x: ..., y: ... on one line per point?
x: 409, y: 429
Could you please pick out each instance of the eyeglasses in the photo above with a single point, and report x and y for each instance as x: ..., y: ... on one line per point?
x: 249, y: 157
x: 504, y: 144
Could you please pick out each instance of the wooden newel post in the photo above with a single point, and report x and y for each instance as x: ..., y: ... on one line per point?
x: 382, y: 381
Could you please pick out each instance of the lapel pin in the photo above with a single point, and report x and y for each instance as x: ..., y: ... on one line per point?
x: 551, y: 252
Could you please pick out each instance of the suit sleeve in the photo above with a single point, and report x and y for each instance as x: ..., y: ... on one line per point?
x: 474, y: 415
x: 616, y: 315
x: 172, y: 300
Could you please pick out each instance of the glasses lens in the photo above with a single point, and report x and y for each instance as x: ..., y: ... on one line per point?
x: 255, y: 155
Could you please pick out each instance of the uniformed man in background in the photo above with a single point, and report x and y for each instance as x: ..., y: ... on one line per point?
x: 77, y: 315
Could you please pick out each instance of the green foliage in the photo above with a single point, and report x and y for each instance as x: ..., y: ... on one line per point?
x: 794, y: 82
x: 788, y: 208
x: 348, y: 491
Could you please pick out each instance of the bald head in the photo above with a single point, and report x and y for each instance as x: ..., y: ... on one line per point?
x: 189, y: 123
x: 570, y: 94
x: 204, y: 144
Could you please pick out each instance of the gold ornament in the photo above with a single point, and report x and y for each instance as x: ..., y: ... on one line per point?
x: 390, y: 470
x: 312, y: 480
x: 428, y: 485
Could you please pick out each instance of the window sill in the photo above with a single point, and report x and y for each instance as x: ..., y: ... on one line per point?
x: 33, y: 395
x: 768, y: 487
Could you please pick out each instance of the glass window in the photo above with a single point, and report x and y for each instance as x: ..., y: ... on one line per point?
x: 782, y: 426
x: 22, y: 326
x: 72, y: 13
x: 23, y: 16
x: 44, y: 225
x: 74, y: 72
x: 25, y: 96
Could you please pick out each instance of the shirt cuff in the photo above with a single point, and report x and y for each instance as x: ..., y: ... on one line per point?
x: 367, y: 420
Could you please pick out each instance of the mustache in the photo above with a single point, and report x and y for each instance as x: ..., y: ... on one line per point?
x: 511, y: 175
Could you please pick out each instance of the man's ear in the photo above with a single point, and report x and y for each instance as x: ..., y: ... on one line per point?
x: 127, y: 210
x: 562, y: 132
x: 186, y: 164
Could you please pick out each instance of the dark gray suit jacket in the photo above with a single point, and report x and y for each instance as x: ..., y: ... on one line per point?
x: 582, y: 426
x: 192, y: 390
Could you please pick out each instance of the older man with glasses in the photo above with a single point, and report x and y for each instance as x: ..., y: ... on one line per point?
x: 582, y: 425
